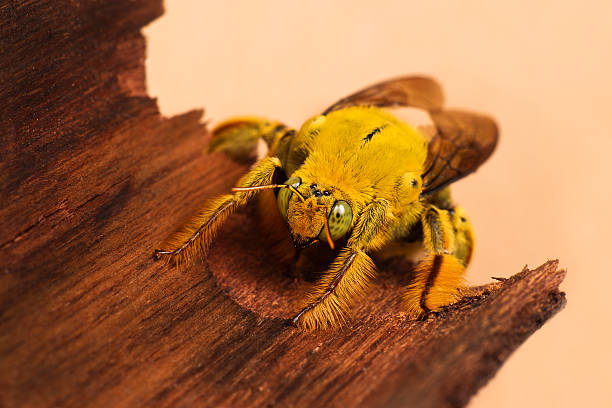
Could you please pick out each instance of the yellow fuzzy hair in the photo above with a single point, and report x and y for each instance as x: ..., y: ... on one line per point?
x: 464, y: 236
x: 437, y: 282
x: 197, y: 234
x: 328, y: 305
x: 444, y: 239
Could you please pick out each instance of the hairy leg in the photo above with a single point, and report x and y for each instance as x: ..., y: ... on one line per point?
x: 330, y: 299
x: 349, y: 275
x: 448, y: 238
x: 464, y: 235
x: 197, y: 234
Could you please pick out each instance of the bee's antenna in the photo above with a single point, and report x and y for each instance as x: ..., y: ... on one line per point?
x: 301, y: 197
x: 290, y: 187
x: 259, y: 187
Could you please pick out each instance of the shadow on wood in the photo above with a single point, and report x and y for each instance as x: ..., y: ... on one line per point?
x: 92, y: 177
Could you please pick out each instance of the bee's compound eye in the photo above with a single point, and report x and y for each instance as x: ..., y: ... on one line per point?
x: 339, y: 220
x: 294, y: 181
x: 284, y: 195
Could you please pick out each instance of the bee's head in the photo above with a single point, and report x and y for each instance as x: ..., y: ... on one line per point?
x: 313, y: 213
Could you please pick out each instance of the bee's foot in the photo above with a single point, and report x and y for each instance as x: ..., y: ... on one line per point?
x: 157, y: 254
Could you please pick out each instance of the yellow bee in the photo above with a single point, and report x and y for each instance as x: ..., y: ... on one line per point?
x: 359, y: 176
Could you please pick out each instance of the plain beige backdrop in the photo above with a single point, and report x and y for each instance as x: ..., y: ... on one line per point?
x: 542, y: 68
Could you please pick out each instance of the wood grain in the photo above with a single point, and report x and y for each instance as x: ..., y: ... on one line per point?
x: 92, y: 177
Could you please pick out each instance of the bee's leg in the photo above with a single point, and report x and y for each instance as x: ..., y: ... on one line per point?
x: 349, y: 274
x: 196, y: 236
x: 239, y: 137
x: 439, y: 277
x: 329, y: 301
x: 464, y: 235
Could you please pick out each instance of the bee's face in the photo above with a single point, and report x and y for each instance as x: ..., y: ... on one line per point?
x: 313, y: 213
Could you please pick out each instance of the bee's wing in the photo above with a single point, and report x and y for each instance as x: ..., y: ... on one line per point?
x: 463, y: 141
x: 419, y: 92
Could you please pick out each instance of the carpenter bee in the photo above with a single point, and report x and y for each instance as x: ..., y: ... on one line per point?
x: 359, y: 175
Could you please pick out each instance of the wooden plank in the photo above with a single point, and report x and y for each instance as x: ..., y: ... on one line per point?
x: 93, y: 177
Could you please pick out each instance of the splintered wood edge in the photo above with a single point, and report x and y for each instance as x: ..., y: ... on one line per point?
x: 547, y: 275
x: 460, y: 348
x: 507, y: 312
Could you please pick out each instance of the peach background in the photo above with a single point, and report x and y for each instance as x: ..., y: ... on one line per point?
x: 543, y: 69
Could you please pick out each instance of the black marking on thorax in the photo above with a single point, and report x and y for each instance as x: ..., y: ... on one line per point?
x: 370, y: 135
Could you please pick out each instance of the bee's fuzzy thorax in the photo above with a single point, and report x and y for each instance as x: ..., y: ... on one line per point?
x: 363, y: 151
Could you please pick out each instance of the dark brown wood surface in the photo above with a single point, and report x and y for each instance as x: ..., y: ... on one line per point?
x: 92, y: 177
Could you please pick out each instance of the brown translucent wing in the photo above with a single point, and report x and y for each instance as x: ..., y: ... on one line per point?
x: 463, y: 141
x: 416, y: 91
